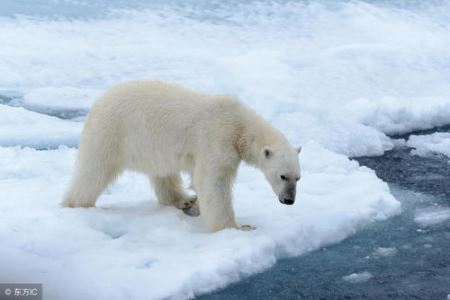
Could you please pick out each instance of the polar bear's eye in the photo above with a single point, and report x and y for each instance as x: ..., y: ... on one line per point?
x: 285, y: 178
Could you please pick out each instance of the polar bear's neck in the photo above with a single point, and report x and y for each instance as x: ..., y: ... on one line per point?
x: 254, y: 135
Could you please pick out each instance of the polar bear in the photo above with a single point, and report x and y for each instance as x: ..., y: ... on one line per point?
x: 162, y: 129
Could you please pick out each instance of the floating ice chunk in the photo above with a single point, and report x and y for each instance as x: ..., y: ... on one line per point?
x: 431, y: 144
x: 358, y: 277
x: 391, y: 251
x: 129, y: 240
x: 432, y: 215
x: 399, y: 143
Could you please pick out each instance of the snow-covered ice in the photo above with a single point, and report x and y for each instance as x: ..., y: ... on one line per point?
x: 358, y: 277
x: 396, y: 116
x: 19, y: 126
x: 432, y: 215
x: 399, y: 143
x: 341, y: 74
x: 336, y: 77
x: 54, y: 100
x: 131, y: 247
x: 430, y: 144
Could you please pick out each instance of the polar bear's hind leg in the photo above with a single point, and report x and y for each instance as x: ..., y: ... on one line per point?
x: 169, y: 191
x: 89, y: 182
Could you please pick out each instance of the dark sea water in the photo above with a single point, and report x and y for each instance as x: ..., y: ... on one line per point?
x: 419, y: 268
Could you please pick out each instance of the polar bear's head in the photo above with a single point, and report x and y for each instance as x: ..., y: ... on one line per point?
x: 281, y: 168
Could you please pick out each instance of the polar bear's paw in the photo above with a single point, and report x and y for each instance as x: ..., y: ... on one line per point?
x: 190, y: 207
x: 71, y: 203
x: 246, y: 227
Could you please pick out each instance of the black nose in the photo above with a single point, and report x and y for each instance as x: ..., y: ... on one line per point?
x: 288, y: 201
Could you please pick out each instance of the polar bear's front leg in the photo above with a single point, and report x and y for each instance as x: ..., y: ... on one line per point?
x: 213, y: 183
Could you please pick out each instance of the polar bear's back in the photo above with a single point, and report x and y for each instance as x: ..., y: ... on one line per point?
x: 156, y: 125
x: 150, y: 96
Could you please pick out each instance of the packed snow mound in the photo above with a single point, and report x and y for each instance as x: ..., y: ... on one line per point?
x: 397, y: 116
x: 19, y: 126
x: 131, y: 247
x: 345, y: 137
x: 437, y: 143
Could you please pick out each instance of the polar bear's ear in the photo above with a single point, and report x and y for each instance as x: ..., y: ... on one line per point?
x: 267, y: 153
x: 299, y: 149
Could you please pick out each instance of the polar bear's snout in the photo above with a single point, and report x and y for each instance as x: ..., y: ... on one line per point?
x: 281, y: 167
x: 287, y: 196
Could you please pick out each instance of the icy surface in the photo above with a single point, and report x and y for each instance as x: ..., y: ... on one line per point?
x: 130, y: 246
x: 52, y: 100
x: 358, y: 277
x: 340, y: 73
x: 19, y: 126
x: 396, y: 116
x: 331, y: 75
x: 399, y: 143
x: 431, y: 144
x: 432, y: 215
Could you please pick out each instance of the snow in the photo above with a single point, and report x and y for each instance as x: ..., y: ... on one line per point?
x: 342, y: 74
x: 432, y: 215
x: 19, y: 126
x: 60, y: 99
x: 430, y: 144
x: 397, y: 116
x: 336, y: 77
x: 131, y: 247
x: 385, y: 252
x: 358, y: 277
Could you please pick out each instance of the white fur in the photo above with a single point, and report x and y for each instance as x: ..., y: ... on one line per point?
x: 162, y: 129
